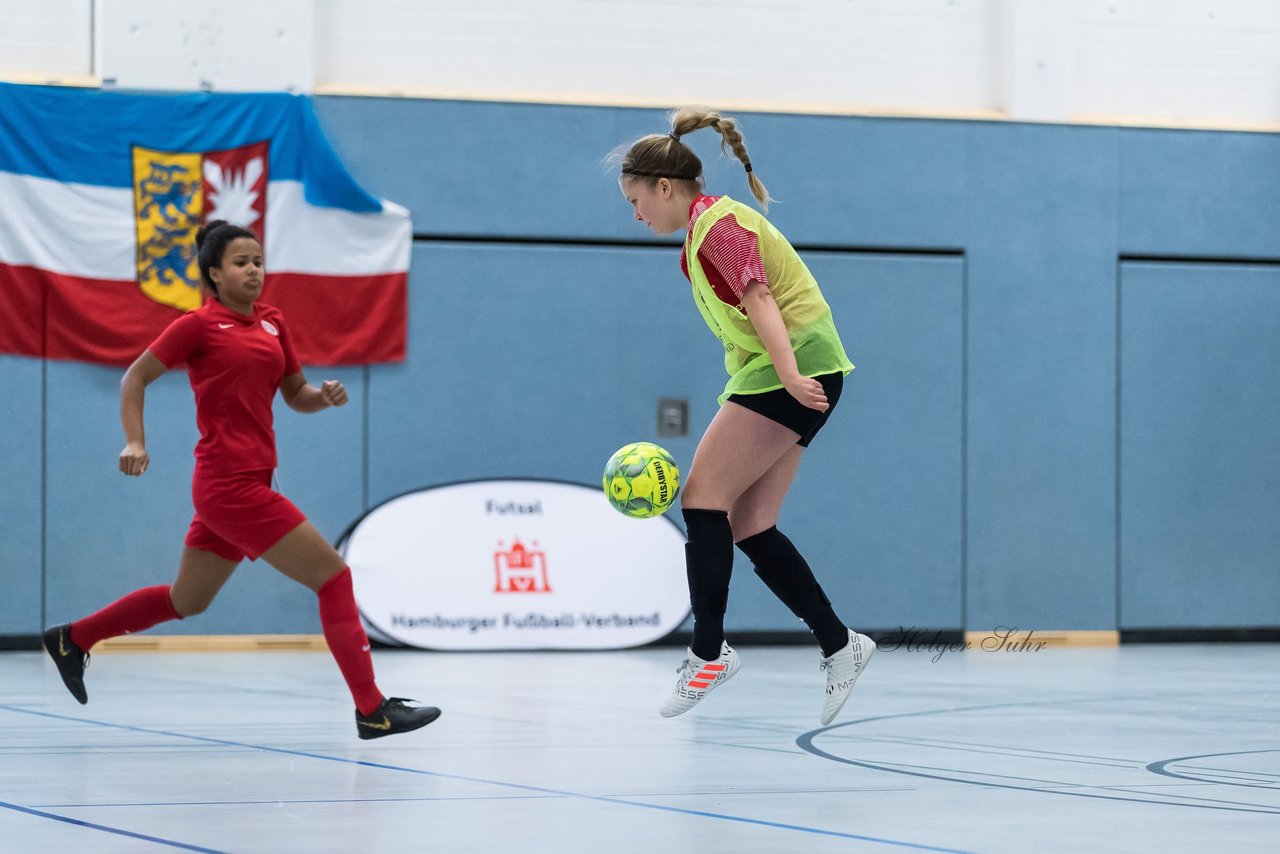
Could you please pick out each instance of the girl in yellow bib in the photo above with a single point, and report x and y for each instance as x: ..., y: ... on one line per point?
x: 786, y: 368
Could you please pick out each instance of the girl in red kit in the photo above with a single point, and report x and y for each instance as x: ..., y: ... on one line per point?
x: 786, y: 369
x: 237, y: 352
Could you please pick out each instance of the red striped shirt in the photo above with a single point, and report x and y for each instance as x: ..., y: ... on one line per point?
x: 729, y: 255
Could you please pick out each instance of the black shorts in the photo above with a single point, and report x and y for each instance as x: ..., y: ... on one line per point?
x: 778, y: 405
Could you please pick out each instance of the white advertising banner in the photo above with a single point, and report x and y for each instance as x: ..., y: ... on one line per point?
x: 515, y: 564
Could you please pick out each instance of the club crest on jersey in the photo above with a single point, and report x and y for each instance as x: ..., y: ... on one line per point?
x: 174, y: 193
x: 270, y: 327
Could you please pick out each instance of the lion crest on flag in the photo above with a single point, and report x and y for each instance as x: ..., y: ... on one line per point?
x: 174, y: 193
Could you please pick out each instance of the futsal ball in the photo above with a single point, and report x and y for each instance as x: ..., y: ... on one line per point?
x: 641, y: 480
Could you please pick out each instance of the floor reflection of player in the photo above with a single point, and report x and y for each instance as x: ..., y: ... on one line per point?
x: 237, y: 354
x: 786, y: 368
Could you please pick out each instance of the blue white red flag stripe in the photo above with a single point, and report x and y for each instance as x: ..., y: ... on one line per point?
x: 85, y: 176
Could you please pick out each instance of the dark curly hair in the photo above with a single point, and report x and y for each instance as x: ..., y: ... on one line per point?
x: 211, y: 243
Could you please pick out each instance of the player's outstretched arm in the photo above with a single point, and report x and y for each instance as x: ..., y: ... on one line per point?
x: 302, y: 396
x: 133, y: 391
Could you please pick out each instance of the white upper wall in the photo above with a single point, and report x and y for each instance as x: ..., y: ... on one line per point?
x: 163, y: 44
x: 49, y: 40
x: 1181, y: 62
x: 900, y: 55
x: 1187, y: 61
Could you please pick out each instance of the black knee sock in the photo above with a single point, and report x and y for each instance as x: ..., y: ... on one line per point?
x: 785, y: 572
x: 709, y: 563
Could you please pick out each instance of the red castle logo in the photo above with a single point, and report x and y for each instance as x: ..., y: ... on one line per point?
x: 520, y: 569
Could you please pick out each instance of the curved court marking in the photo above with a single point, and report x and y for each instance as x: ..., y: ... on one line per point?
x: 805, y: 742
x: 444, y: 776
x: 1161, y: 767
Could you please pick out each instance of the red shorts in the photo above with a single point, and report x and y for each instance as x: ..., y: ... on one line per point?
x: 239, y: 515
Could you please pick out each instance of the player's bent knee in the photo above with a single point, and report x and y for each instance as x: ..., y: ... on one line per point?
x: 190, y: 609
x: 694, y: 497
x: 748, y: 526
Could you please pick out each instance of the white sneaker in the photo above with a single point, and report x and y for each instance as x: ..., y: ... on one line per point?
x: 843, y: 669
x: 698, y: 677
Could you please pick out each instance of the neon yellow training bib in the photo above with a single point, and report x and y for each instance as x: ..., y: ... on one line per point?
x: 804, y: 312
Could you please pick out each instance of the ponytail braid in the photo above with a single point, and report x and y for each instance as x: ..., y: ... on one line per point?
x: 688, y: 119
x: 663, y: 155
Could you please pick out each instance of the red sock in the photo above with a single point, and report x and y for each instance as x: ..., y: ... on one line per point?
x: 140, y: 610
x: 347, y: 641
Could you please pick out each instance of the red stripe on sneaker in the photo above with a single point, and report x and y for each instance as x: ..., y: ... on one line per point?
x: 705, y: 675
x: 698, y: 684
x: 713, y: 667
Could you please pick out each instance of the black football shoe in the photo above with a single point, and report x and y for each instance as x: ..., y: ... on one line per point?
x: 396, y: 714
x: 71, y: 659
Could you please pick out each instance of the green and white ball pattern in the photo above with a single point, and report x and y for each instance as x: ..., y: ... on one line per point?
x: 641, y: 480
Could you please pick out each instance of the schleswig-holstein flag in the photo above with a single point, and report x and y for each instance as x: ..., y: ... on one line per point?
x: 101, y: 194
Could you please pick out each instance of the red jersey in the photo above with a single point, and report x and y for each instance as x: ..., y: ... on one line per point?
x: 235, y: 364
x: 729, y: 255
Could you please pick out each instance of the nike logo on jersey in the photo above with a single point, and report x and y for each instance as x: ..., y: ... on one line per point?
x: 225, y: 325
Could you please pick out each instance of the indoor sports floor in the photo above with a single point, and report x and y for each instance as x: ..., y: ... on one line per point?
x: 1141, y: 748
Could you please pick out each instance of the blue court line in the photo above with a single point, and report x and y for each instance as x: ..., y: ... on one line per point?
x: 737, y: 746
x: 1242, y: 773
x: 939, y: 744
x: 92, y: 826
x: 1043, y: 791
x: 449, y: 798
x: 1057, y: 787
x: 1163, y: 768
x: 521, y: 786
x: 283, y: 801
x: 1017, y: 751
x: 805, y: 742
